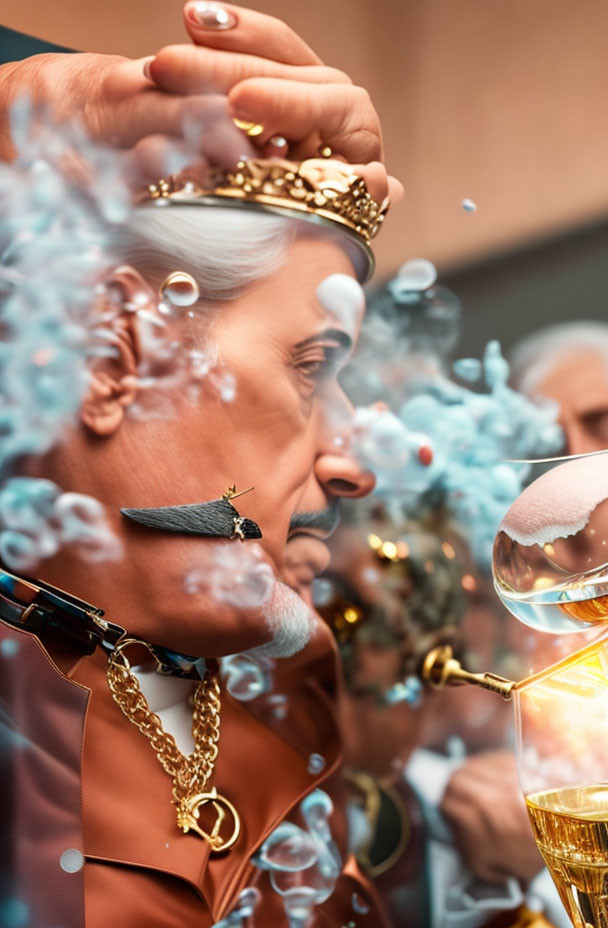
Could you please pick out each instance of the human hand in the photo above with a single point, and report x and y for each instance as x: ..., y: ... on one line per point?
x: 116, y: 104
x: 272, y: 78
x: 259, y: 65
x: 487, y: 814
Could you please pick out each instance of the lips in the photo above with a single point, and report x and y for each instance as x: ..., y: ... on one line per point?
x: 306, y: 556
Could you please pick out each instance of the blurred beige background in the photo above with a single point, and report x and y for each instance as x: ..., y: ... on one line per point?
x: 500, y: 101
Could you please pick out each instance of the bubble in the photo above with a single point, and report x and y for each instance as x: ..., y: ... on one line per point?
x: 322, y: 591
x: 9, y: 647
x: 279, y: 705
x: 180, y: 289
x: 246, y: 678
x: 416, y: 274
x: 79, y: 508
x: 82, y: 522
x: 408, y: 691
x: 316, y: 809
x: 469, y: 435
x: 468, y: 369
x: 316, y: 763
x: 304, y: 866
x: 468, y: 205
x: 382, y: 439
x: 38, y: 518
x: 288, y: 848
x: 233, y: 920
x: 17, y: 551
x: 234, y: 574
x: 52, y: 267
x: 225, y: 384
x: 389, y: 447
x: 343, y: 298
x: 495, y: 367
x: 27, y: 503
x: 72, y: 860
x: 299, y: 902
x: 248, y: 899
x: 359, y: 904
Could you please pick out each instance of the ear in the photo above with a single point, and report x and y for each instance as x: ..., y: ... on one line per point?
x: 113, y: 378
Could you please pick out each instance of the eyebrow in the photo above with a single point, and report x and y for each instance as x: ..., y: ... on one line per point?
x: 338, y: 335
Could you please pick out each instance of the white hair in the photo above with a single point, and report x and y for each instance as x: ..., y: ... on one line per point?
x: 290, y: 622
x: 225, y: 250
x: 536, y: 355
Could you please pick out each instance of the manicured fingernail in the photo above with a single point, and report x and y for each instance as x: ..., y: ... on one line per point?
x: 252, y: 129
x: 211, y: 15
x: 147, y: 73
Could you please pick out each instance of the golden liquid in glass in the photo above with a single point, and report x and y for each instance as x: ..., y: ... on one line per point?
x: 587, y: 610
x: 571, y: 830
x: 545, y: 608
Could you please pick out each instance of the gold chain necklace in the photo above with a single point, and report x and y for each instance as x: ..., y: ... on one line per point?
x: 190, y: 772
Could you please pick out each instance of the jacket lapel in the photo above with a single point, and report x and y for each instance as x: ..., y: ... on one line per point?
x: 128, y: 817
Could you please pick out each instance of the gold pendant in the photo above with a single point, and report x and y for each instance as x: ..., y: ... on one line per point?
x: 188, y: 813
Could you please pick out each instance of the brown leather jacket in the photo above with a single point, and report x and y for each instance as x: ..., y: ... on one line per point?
x: 82, y: 777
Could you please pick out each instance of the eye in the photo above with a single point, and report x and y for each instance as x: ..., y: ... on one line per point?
x: 596, y: 424
x: 317, y: 362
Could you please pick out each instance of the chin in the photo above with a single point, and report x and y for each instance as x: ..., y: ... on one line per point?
x: 290, y: 621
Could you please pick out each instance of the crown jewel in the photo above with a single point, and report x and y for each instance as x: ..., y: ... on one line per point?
x: 319, y: 187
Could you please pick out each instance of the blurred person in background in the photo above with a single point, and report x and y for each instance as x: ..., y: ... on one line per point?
x: 568, y: 364
x: 460, y: 849
x: 565, y: 365
x: 478, y: 797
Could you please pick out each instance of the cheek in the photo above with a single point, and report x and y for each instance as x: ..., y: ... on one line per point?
x: 268, y: 418
x: 238, y: 443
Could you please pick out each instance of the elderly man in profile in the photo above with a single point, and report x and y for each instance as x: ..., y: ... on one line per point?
x: 126, y: 808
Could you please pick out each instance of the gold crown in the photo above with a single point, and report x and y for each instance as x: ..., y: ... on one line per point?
x: 323, y: 190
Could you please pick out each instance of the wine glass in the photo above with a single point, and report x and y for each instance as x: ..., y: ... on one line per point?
x: 550, y: 561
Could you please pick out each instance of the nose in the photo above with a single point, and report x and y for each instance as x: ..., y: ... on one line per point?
x: 336, y: 468
x: 342, y: 475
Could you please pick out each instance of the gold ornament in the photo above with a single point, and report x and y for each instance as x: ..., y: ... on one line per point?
x: 320, y: 189
x: 252, y: 129
x: 190, y: 773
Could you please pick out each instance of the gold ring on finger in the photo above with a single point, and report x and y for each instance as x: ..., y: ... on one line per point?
x: 252, y: 129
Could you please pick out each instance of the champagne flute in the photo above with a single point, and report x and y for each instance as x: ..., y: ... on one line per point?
x: 562, y: 756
